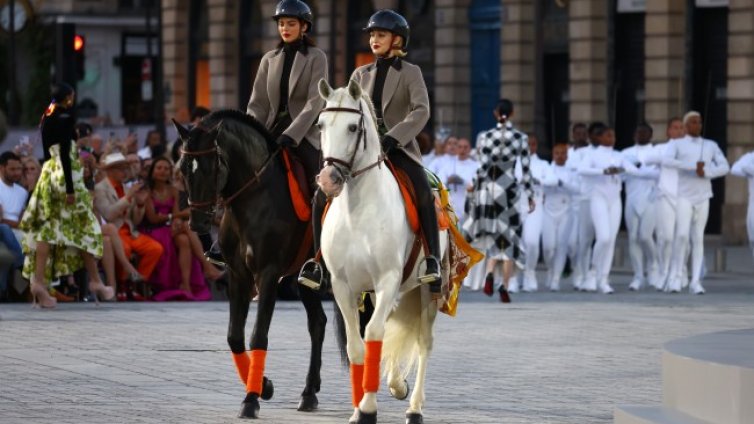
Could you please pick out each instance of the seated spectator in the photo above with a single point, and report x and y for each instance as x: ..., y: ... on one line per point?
x: 154, y: 146
x: 12, y: 196
x: 31, y: 170
x: 179, y: 273
x: 124, y: 208
x: 11, y: 257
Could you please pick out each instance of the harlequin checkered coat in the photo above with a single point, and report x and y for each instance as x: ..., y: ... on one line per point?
x: 493, y: 220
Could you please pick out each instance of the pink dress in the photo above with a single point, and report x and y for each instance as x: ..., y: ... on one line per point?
x: 166, y: 278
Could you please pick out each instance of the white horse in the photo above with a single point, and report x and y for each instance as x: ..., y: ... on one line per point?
x: 366, y: 240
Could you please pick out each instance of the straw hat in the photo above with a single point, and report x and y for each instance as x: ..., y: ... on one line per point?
x: 113, y: 159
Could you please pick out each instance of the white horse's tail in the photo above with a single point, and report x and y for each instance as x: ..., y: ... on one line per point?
x: 408, y: 334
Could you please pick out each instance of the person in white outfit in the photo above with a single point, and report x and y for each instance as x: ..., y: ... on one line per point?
x: 458, y: 176
x: 744, y: 167
x: 559, y: 188
x: 698, y: 161
x: 579, y: 140
x: 602, y: 169
x: 666, y: 199
x: 584, y: 238
x: 640, y: 214
x: 532, y: 231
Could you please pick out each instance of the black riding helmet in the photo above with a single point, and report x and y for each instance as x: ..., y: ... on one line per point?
x: 392, y: 21
x: 294, y: 9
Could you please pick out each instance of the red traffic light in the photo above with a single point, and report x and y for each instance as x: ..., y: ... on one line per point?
x: 78, y: 43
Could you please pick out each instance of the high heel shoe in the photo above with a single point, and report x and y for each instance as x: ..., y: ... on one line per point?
x: 101, y: 291
x: 489, y: 283
x: 40, y: 296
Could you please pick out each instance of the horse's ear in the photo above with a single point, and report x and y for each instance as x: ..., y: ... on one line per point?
x: 183, y: 132
x: 215, y: 130
x: 325, y: 91
x: 354, y: 89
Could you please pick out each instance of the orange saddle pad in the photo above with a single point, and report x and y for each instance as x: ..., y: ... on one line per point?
x: 298, y: 186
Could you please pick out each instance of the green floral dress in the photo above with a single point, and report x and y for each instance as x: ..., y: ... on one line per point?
x: 69, y: 229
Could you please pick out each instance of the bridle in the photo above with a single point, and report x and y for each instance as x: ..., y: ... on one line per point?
x: 208, y: 207
x: 361, y: 137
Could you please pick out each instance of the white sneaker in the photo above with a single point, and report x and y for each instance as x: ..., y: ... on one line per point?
x: 606, y: 289
x: 590, y: 284
x: 696, y: 288
x: 674, y: 285
x: 635, y: 285
x: 530, y: 282
x: 513, y: 285
x: 554, y: 286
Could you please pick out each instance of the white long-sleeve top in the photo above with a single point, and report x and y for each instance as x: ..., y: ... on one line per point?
x: 667, y: 184
x: 684, y: 154
x: 538, y: 169
x: 465, y: 169
x: 575, y: 157
x: 592, y: 170
x: 560, y: 186
x: 744, y: 167
x: 640, y: 179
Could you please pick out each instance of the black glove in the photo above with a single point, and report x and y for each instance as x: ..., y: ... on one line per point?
x: 389, y: 143
x: 285, y: 141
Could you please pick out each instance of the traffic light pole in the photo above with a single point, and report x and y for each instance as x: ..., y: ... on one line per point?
x: 158, y: 109
x: 12, y: 98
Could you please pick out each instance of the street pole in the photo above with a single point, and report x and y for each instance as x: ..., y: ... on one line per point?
x: 12, y: 102
x: 158, y: 109
x: 159, y: 96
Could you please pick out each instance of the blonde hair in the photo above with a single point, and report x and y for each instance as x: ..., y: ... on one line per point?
x: 690, y: 114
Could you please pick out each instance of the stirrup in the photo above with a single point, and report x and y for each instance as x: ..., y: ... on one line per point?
x: 430, y: 277
x: 215, y: 258
x: 311, y: 274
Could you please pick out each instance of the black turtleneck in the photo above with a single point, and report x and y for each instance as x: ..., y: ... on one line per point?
x: 59, y: 127
x: 383, y: 64
x: 289, y: 50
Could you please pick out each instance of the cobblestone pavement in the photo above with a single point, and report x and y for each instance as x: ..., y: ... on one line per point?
x: 546, y: 358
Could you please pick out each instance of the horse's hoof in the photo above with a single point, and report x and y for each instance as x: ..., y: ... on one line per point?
x: 414, y: 418
x: 250, y: 407
x: 400, y: 395
x: 268, y: 389
x: 308, y: 403
x: 366, y: 417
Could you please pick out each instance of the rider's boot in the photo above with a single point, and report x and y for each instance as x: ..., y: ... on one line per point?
x: 428, y: 220
x: 314, y: 272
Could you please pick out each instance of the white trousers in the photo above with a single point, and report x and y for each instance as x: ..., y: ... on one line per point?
x: 556, y: 237
x: 584, y: 241
x: 690, y: 223
x: 665, y: 232
x: 606, y: 218
x: 641, y: 244
x: 532, y: 233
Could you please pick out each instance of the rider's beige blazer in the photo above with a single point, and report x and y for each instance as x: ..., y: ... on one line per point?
x: 304, y: 102
x: 405, y: 102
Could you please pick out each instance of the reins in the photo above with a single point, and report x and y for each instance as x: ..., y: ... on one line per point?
x: 361, y: 137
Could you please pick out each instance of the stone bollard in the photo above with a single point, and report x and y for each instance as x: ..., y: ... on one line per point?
x: 721, y: 256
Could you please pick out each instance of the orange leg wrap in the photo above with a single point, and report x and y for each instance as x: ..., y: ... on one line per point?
x: 357, y: 391
x: 372, y: 366
x: 242, y: 365
x: 256, y: 371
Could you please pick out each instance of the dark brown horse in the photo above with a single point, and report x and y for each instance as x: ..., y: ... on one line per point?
x: 229, y: 158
